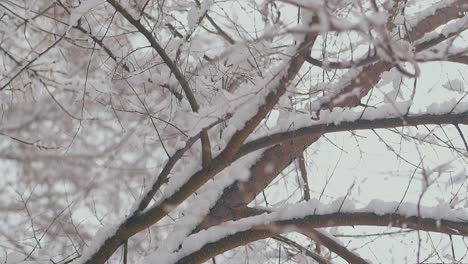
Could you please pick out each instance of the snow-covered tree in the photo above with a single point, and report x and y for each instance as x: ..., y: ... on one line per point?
x: 275, y: 131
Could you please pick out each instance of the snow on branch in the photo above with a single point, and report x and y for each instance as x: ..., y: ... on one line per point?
x: 313, y: 214
x: 435, y: 16
x: 161, y: 51
x: 339, y: 119
x: 195, y: 176
x: 206, y: 198
x: 359, y: 80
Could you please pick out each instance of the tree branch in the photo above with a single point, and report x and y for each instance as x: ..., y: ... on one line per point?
x: 315, y: 235
x: 206, y: 148
x: 333, y: 246
x: 240, y: 194
x: 303, y: 171
x: 312, y: 131
x: 320, y: 259
x: 262, y: 231
x: 438, y: 17
x: 160, y: 50
x: 140, y: 221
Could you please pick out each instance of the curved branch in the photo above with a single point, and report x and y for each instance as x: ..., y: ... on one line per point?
x: 320, y: 129
x: 235, y: 239
x: 315, y: 235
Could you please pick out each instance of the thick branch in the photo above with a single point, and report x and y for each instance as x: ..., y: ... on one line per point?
x: 312, y: 131
x: 206, y: 148
x: 368, y: 78
x: 281, y: 155
x: 275, y: 159
x: 315, y: 235
x: 289, y: 145
x: 258, y: 232
x: 438, y: 18
x: 138, y: 222
x: 240, y: 194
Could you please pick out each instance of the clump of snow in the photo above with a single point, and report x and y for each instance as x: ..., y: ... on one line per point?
x: 378, y: 18
x: 192, y: 17
x: 394, y: 77
x: 98, y: 240
x: 338, y: 115
x: 14, y: 258
x: 399, y: 19
x: 451, y: 106
x: 458, y: 178
x: 422, y: 137
x: 455, y: 85
x: 194, y: 13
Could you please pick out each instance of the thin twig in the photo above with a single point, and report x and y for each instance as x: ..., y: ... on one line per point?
x: 160, y: 50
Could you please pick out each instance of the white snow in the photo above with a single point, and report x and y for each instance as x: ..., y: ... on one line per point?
x: 298, y: 211
x: 452, y: 106
x: 98, y: 240
x: 412, y: 21
x: 194, y: 13
x: 192, y: 17
x: 455, y: 85
x: 204, y: 201
x: 454, y: 27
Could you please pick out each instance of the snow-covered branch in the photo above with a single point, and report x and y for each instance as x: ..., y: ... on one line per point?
x: 163, y: 127
x: 349, y: 120
x: 180, y: 191
x: 213, y: 241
